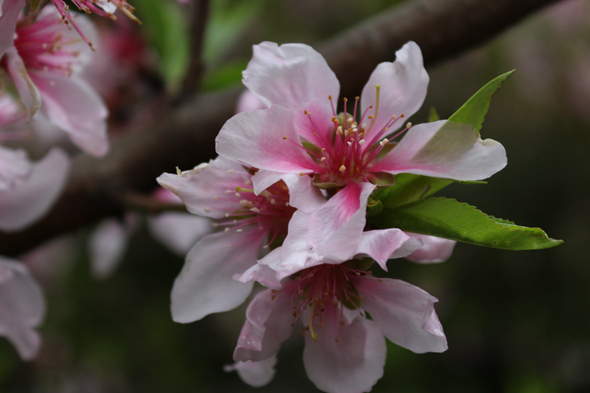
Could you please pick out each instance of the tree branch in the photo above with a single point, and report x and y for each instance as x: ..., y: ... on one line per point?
x: 192, y: 80
x: 184, y: 136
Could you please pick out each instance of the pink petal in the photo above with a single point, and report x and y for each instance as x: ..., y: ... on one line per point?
x: 257, y: 138
x: 262, y: 272
x: 205, y: 284
x: 435, y: 249
x: 403, y: 312
x: 346, y: 358
x: 8, y: 17
x: 255, y: 374
x: 249, y: 101
x: 268, y: 323
x: 14, y: 167
x: 203, y: 189
x: 178, y: 231
x: 22, y: 307
x: 403, y: 89
x: 444, y: 149
x: 329, y: 234
x: 27, y: 90
x: 289, y: 75
x: 74, y: 106
x: 381, y: 245
x: 27, y: 203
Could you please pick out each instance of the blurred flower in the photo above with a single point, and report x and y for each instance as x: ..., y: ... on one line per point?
x: 177, y: 231
x: 45, y: 62
x: 22, y: 307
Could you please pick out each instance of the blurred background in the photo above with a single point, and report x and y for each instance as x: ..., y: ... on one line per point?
x: 515, y: 321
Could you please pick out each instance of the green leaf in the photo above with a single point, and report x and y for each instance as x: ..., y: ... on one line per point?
x: 409, y: 188
x: 459, y: 221
x: 433, y: 115
x: 167, y: 29
x: 224, y: 76
x: 475, y: 109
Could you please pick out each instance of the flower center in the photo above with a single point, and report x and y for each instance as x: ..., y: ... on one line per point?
x: 346, y: 152
x: 270, y: 210
x: 320, y: 287
x: 42, y: 45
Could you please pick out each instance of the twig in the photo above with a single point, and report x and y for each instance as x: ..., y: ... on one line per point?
x: 192, y: 80
x: 184, y: 136
x: 146, y: 204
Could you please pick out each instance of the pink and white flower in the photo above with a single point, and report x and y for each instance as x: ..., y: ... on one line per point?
x: 302, y: 134
x: 331, y: 234
x: 344, y: 350
x: 222, y: 190
x: 44, y: 62
x: 22, y: 307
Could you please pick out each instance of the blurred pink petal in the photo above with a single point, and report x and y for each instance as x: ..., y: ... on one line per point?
x: 32, y: 198
x: 22, y: 307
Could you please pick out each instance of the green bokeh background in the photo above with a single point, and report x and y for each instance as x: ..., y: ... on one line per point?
x: 515, y: 321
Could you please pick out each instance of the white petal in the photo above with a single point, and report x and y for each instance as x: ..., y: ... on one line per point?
x: 27, y: 203
x: 346, y: 358
x: 255, y: 374
x: 27, y: 90
x: 403, y: 89
x: 382, y: 244
x: 249, y: 101
x: 108, y: 244
x: 444, y: 149
x: 8, y: 17
x: 22, y: 307
x: 178, y: 231
x: 14, y: 167
x: 403, y: 312
x: 289, y: 75
x: 206, y: 285
x: 268, y: 324
x: 74, y: 106
x: 203, y: 189
x: 434, y: 250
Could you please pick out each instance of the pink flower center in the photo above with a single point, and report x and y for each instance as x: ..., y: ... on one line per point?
x: 346, y: 152
x: 92, y: 6
x: 42, y: 45
x: 270, y: 210
x: 320, y: 287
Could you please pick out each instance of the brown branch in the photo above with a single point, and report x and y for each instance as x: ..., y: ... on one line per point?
x: 185, y: 136
x: 192, y: 80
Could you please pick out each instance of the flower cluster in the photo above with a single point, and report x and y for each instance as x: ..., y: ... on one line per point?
x: 42, y: 94
x: 290, y: 193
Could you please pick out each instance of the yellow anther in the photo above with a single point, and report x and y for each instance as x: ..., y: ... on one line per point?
x: 402, y: 115
x: 313, y: 335
x: 409, y: 125
x: 330, y: 97
x: 284, y: 137
x: 342, y: 168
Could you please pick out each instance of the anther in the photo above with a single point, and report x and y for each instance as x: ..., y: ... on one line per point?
x: 284, y: 138
x: 409, y: 125
x: 337, y: 339
x: 342, y: 168
x: 226, y: 230
x: 239, y: 230
x: 361, y: 142
x: 402, y: 115
x: 230, y: 171
x: 255, y: 210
